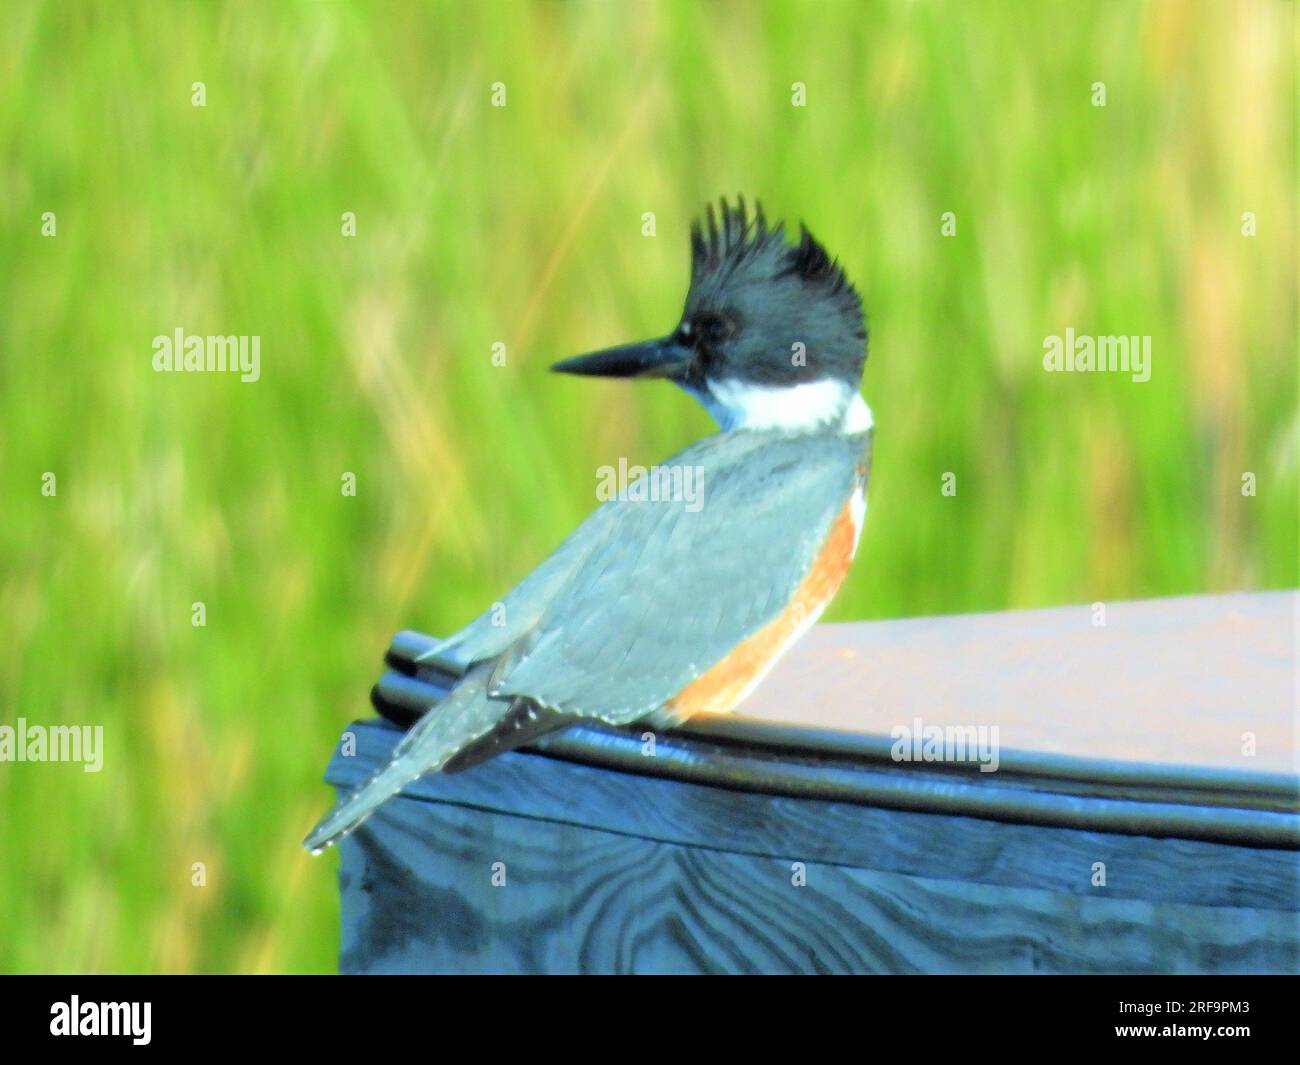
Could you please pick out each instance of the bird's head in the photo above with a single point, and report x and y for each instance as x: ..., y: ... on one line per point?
x: 772, y: 335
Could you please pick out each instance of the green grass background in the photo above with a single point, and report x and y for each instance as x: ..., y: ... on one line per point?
x: 523, y: 225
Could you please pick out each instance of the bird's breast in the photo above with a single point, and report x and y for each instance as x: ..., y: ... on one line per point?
x: 732, y: 678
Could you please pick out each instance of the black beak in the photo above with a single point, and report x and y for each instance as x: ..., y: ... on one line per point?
x: 664, y: 357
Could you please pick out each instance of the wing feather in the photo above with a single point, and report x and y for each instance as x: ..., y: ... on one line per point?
x: 665, y: 592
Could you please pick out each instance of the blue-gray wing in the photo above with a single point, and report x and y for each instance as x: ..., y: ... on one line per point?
x: 518, y: 613
x: 648, y: 595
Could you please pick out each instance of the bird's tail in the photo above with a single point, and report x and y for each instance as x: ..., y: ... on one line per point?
x: 466, y: 715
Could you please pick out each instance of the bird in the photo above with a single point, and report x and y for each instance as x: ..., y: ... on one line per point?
x: 653, y: 611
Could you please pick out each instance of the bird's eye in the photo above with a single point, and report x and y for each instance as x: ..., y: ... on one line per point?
x: 714, y: 328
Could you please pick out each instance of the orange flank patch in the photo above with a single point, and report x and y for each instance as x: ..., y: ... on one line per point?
x: 723, y: 687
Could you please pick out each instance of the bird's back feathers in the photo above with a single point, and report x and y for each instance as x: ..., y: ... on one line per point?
x: 640, y: 601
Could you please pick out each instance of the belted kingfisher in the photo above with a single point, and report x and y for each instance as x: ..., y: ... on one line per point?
x: 652, y: 612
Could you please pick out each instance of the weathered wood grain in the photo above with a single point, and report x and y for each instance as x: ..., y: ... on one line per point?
x: 419, y: 897
x: 1121, y: 752
x: 670, y: 810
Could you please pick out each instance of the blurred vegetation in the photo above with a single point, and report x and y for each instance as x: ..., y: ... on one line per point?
x: 523, y: 225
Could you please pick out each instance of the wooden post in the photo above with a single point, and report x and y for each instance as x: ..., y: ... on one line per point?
x: 1022, y: 792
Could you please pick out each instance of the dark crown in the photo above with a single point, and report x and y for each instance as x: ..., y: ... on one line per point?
x: 742, y: 243
x: 743, y: 270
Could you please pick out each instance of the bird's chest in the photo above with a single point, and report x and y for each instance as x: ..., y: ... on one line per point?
x: 729, y: 681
